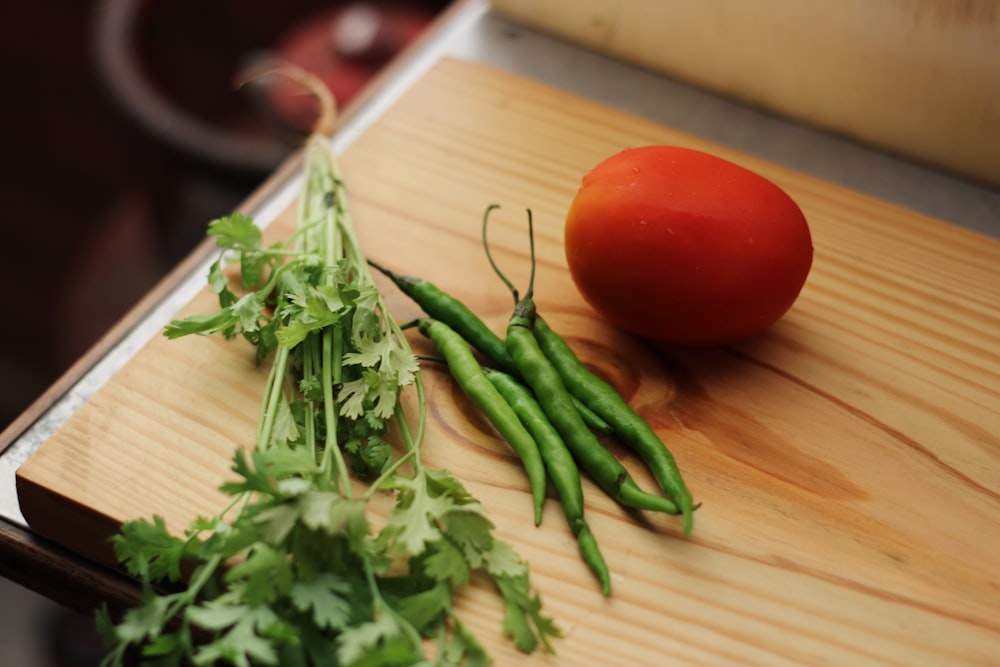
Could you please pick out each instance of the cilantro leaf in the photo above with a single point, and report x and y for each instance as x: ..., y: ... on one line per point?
x: 352, y: 397
x: 247, y: 312
x: 216, y: 322
x: 464, y: 648
x: 167, y: 649
x: 406, y: 366
x: 423, y: 608
x: 285, y: 428
x: 331, y: 513
x: 445, y: 562
x: 148, y: 549
x: 523, y: 619
x: 503, y: 561
x: 218, y: 281
x: 236, y: 231
x: 265, y: 575
x: 413, y: 522
x: 472, y: 534
x: 324, y: 598
x: 146, y: 620
x: 243, y: 644
x: 316, y: 311
x: 242, y: 316
x: 277, y: 522
x: 252, y: 479
x: 372, y: 352
x: 216, y: 614
x: 383, y: 399
x: 355, y: 642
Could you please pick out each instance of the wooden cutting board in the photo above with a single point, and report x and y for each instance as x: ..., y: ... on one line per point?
x: 847, y: 460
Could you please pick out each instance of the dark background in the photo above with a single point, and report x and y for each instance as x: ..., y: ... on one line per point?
x: 96, y: 203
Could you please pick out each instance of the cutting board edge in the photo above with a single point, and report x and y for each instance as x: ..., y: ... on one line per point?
x: 43, y: 509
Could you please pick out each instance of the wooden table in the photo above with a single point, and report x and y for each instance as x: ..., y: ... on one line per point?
x: 848, y: 460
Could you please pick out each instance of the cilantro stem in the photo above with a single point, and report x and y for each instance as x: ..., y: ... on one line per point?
x: 332, y: 353
x: 382, y: 607
x: 275, y: 381
x: 204, y: 573
x: 319, y: 190
x: 309, y: 371
x: 272, y: 282
x: 412, y: 447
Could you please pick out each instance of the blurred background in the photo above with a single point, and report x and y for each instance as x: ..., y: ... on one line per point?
x: 122, y: 134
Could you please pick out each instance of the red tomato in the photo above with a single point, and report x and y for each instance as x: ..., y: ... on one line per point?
x: 677, y: 245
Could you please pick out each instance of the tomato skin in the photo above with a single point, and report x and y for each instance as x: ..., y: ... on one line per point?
x: 681, y: 246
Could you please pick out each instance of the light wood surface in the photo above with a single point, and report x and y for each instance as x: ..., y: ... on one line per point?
x: 920, y: 78
x: 848, y: 460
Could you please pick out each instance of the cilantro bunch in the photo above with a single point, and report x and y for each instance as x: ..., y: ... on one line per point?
x: 309, y: 564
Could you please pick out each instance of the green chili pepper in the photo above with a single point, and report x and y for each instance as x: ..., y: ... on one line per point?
x: 470, y: 377
x: 587, y: 450
x: 445, y: 308
x: 555, y: 399
x: 628, y: 426
x: 559, y: 463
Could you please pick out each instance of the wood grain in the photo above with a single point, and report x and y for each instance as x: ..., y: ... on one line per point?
x: 848, y: 460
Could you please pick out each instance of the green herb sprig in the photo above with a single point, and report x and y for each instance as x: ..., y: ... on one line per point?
x: 302, y: 567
